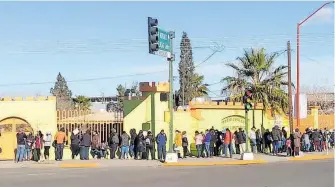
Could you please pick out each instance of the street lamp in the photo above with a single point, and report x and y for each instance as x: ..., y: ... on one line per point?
x: 298, y: 61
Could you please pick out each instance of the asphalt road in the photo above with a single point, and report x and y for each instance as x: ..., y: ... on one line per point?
x: 306, y: 174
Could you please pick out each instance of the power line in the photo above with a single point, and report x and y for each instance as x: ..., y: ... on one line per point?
x: 85, y: 47
x: 82, y: 80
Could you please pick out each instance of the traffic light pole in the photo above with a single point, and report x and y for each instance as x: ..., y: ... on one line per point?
x: 171, y: 60
x: 247, y: 141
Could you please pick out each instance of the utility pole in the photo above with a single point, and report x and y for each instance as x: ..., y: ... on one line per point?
x: 161, y: 43
x: 171, y: 59
x: 289, y: 87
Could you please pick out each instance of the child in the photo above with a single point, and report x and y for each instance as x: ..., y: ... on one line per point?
x: 288, y: 147
x: 103, y: 150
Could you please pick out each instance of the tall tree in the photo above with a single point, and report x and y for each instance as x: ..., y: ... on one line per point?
x: 135, y: 89
x: 255, y: 70
x: 186, y: 70
x: 121, y: 90
x: 82, y: 102
x: 62, y: 93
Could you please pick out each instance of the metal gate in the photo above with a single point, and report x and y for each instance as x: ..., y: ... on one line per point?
x: 101, y: 122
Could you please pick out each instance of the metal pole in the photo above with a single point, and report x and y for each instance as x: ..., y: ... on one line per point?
x: 298, y: 61
x: 171, y: 96
x: 246, y: 132
x: 289, y: 86
x: 297, y: 111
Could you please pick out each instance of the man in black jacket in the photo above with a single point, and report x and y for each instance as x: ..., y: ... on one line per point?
x: 241, y: 139
x: 21, y: 144
x: 149, y: 144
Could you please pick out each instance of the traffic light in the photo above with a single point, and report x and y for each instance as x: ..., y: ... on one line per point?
x: 247, y: 99
x: 153, y: 35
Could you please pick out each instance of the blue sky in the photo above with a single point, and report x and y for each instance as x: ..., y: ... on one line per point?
x: 85, y: 40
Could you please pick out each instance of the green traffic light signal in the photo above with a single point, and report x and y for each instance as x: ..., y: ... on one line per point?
x: 248, y: 106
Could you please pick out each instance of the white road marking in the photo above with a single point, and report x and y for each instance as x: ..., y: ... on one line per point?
x: 34, y: 174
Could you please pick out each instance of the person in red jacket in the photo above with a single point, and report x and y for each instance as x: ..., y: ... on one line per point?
x: 228, y: 143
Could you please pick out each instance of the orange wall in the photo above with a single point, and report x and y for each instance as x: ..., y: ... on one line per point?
x: 326, y: 121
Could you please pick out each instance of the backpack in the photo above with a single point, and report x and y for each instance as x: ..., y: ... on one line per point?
x: 148, y: 141
x: 269, y: 137
x: 115, y: 140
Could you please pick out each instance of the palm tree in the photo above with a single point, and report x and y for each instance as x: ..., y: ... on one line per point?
x: 199, y: 88
x: 82, y: 102
x: 255, y: 71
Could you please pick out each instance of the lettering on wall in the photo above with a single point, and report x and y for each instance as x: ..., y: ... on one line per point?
x: 6, y: 127
x: 233, y: 122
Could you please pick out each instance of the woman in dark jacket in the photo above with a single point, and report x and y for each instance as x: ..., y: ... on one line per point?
x: 184, y: 144
x: 85, y: 144
x: 132, y: 145
x: 75, y: 141
x: 140, y: 145
x: 267, y: 140
x: 212, y: 143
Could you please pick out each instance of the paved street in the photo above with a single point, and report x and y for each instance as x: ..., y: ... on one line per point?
x: 307, y: 174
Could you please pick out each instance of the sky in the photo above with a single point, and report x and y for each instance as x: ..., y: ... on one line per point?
x: 93, y: 40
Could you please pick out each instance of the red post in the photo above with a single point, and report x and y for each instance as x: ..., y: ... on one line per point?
x: 298, y: 63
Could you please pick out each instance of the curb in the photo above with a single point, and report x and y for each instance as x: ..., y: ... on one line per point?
x: 240, y: 162
x: 312, y: 157
x: 79, y: 165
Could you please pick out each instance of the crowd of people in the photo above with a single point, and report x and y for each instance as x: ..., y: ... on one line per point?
x: 143, y: 145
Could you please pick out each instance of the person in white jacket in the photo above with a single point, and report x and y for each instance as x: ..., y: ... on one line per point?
x: 47, y: 144
x: 252, y: 136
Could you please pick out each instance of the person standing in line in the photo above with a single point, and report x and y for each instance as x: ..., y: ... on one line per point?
x: 125, y: 145
x: 316, y: 140
x: 132, y: 143
x: 38, y: 146
x: 149, y: 145
x: 241, y: 138
x: 185, y: 144
x: 60, y: 138
x: 237, y: 146
x: 75, y: 141
x: 113, y: 143
x: 259, y: 141
x: 47, y: 144
x: 276, y: 136
x: 21, y: 138
x: 95, y: 148
x: 212, y: 143
x: 29, y: 146
x: 198, y: 143
x: 218, y: 143
x: 161, y: 140
x: 252, y: 137
x: 85, y: 144
x: 207, y: 141
x: 228, y: 143
x: 140, y: 145
x: 297, y: 137
x: 306, y: 142
x: 178, y: 143
x: 267, y: 140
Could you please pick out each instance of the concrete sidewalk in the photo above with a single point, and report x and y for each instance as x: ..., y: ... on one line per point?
x: 215, y: 161
x: 258, y: 159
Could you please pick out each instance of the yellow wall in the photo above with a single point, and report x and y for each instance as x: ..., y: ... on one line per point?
x: 200, y: 117
x: 39, y: 112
